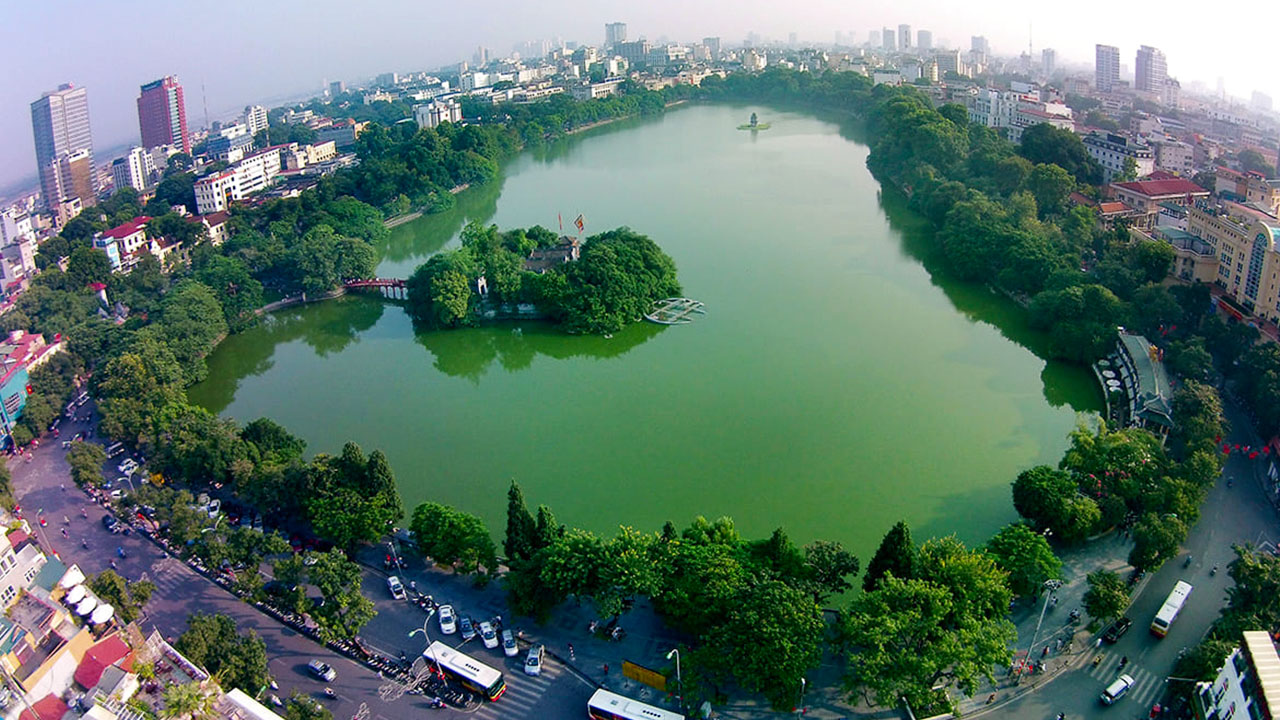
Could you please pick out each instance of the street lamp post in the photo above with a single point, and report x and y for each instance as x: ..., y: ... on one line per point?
x: 425, y: 637
x: 803, y: 683
x: 676, y: 653
x: 1049, y: 587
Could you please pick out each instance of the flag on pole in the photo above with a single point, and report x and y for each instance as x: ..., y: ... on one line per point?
x: 580, y: 223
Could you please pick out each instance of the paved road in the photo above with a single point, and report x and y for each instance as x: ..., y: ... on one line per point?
x: 1238, y: 514
x: 180, y: 590
x: 44, y: 484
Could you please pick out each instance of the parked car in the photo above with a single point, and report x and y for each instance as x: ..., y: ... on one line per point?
x: 214, y: 507
x: 322, y: 671
x: 1118, y: 628
x: 533, y: 661
x: 1116, y: 690
x: 394, y: 586
x: 257, y: 523
x: 118, y: 494
x: 487, y: 634
x: 509, y: 644
x: 448, y: 621
x: 128, y: 466
x: 109, y: 522
x: 467, y: 628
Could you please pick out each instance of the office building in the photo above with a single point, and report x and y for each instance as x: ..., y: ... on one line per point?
x: 133, y: 170
x: 873, y: 38
x: 60, y: 126
x: 1151, y: 74
x: 904, y: 37
x: 979, y: 44
x: 924, y: 40
x: 1048, y: 61
x: 713, y: 46
x: 1243, y: 240
x: 1106, y: 69
x: 481, y: 56
x: 889, y: 38
x: 949, y: 62
x: 255, y: 118
x: 336, y: 88
x: 614, y: 33
x: 162, y: 114
x: 1247, y: 686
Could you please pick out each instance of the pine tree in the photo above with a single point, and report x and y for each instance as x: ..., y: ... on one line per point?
x: 521, y: 529
x: 896, y: 555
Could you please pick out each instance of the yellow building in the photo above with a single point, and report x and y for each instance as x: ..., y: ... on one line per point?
x: 1243, y: 240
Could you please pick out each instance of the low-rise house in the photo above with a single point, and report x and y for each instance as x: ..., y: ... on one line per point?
x: 543, y: 259
x: 1146, y: 197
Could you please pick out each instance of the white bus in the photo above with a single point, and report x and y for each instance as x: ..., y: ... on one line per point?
x: 605, y: 705
x: 1172, y: 606
x: 473, y: 674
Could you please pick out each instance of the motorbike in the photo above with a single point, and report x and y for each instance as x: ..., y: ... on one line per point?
x: 1188, y: 561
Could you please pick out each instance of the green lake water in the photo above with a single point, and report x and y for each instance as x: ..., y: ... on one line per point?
x: 834, y: 387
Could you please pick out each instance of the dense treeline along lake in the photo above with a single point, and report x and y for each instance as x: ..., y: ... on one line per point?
x: 834, y: 386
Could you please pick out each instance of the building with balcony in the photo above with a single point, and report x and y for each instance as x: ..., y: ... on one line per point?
x: 1113, y: 152
x: 1147, y: 196
x: 1247, y: 686
x: 252, y: 174
x: 1250, y: 188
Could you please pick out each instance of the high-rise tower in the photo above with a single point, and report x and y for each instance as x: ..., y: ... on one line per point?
x: 1150, y: 72
x: 162, y: 114
x: 1106, y: 67
x: 64, y: 143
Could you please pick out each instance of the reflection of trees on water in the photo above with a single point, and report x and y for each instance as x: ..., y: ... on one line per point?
x: 327, y: 328
x: 430, y: 233
x: 469, y: 353
x: 1063, y: 384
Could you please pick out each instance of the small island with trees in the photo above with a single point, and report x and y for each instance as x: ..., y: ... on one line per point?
x: 609, y: 282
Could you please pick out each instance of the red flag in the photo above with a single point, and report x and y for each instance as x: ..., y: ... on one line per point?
x: 580, y: 223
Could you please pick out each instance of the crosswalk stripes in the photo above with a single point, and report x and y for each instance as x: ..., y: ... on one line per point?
x: 524, y: 693
x: 1146, y: 688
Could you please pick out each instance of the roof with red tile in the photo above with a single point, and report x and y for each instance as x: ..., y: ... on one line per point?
x: 100, y: 657
x: 1161, y: 188
x: 120, y: 232
x: 1107, y: 208
x: 47, y: 708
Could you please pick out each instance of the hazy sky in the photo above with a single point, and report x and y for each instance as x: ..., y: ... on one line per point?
x: 255, y: 51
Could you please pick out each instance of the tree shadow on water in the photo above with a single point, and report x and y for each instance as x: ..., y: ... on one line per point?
x: 469, y: 353
x: 1063, y: 383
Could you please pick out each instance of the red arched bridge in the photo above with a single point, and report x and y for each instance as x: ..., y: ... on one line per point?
x: 393, y: 288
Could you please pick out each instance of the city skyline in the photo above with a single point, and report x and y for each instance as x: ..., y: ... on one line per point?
x: 227, y: 65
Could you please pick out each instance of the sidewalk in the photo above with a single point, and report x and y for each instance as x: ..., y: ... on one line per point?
x: 1068, y: 645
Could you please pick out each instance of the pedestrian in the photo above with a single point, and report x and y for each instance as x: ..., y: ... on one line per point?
x: 1098, y: 643
x: 606, y: 668
x: 991, y: 698
x: 1046, y: 652
x: 64, y: 532
x: 570, y: 651
x: 62, y: 487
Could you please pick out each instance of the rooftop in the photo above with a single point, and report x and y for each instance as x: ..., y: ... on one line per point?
x: 1162, y: 188
x: 121, y: 232
x: 1155, y: 396
x: 1267, y: 664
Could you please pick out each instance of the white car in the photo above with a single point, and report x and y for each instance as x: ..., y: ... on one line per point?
x: 397, y: 589
x: 488, y: 635
x: 214, y: 507
x: 509, y: 644
x: 1117, y: 689
x: 533, y: 661
x: 128, y: 466
x: 448, y: 621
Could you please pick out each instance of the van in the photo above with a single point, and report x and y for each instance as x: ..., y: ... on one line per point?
x: 1117, y: 689
x: 115, y: 449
